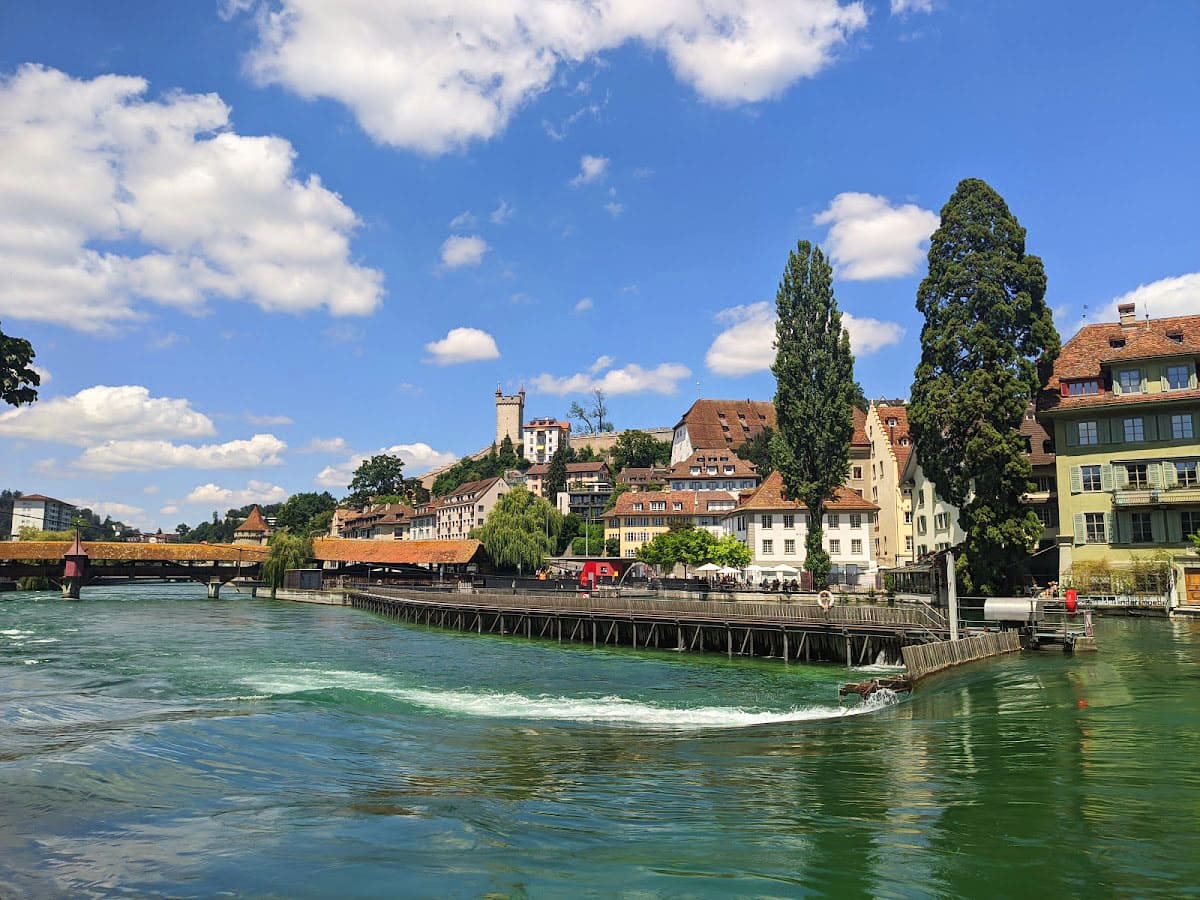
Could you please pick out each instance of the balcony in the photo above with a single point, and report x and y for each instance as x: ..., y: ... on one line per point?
x: 1126, y: 497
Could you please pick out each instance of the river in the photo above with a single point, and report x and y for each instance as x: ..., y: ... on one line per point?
x: 153, y: 742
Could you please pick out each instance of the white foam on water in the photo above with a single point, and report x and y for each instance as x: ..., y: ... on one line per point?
x: 881, y: 668
x: 45, y: 641
x: 15, y: 632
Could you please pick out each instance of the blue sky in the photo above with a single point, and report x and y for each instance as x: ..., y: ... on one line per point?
x: 252, y: 241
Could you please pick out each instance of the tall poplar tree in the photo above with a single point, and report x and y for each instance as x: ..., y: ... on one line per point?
x: 556, y: 474
x: 988, y: 344
x: 815, y: 394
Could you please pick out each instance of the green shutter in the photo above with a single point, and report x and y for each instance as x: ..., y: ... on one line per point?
x: 1192, y: 379
x: 1118, y: 431
x: 1080, y: 530
x: 1072, y: 430
x: 1121, y: 524
x: 1076, y: 480
x: 1175, y: 527
x: 1104, y: 432
x: 1158, y: 526
x: 1154, y: 473
x: 1150, y: 426
x: 1110, y: 527
x: 1106, y: 477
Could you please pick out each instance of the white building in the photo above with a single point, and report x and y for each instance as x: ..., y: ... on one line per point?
x: 40, y: 512
x: 467, y: 507
x: 543, y: 437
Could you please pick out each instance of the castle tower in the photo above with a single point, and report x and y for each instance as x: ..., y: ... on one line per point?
x: 510, y: 413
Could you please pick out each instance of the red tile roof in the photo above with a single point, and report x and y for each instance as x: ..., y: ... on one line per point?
x: 705, y: 420
x: 579, y: 468
x: 742, y: 468
x: 695, y: 503
x: 1032, y: 429
x: 899, y: 436
x: 397, y: 552
x: 471, y: 487
x: 254, y: 522
x: 771, y: 495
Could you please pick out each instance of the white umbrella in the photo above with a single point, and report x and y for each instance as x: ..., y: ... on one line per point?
x: 709, y: 567
x: 785, y: 569
x: 753, y: 568
x: 729, y: 570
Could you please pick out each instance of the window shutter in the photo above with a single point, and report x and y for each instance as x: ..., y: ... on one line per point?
x: 1076, y: 480
x: 1106, y: 477
x: 1118, y: 431
x: 1154, y: 471
x: 1120, y: 524
x: 1192, y: 379
x: 1169, y: 477
x: 1151, y: 427
x: 1120, y: 476
x: 1158, y: 526
x: 1072, y: 429
x: 1110, y: 526
x: 1175, y: 528
x: 1080, y: 531
x: 1104, y: 431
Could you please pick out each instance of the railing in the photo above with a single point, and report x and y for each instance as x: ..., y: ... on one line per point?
x: 1155, y: 496
x: 925, y: 659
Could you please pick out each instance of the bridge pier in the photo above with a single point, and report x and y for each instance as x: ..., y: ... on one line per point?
x: 214, y: 589
x: 71, y: 586
x: 75, y: 568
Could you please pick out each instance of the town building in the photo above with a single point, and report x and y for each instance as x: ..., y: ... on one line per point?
x: 42, y: 513
x: 589, y: 486
x: 1123, y: 405
x: 254, y: 530
x: 888, y: 448
x: 510, y: 413
x: 380, y: 521
x: 637, y: 518
x: 713, y: 470
x: 543, y: 437
x: 649, y: 478
x: 774, y: 528
x: 719, y: 425
x: 423, y: 522
x: 467, y: 507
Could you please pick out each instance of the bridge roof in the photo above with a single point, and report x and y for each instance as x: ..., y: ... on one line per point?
x: 120, y: 552
x: 396, y: 552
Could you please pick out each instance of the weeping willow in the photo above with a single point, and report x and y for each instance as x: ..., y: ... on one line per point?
x: 288, y: 551
x: 521, y: 531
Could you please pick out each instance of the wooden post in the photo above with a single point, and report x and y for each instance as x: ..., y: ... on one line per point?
x: 786, y: 659
x: 952, y: 595
x: 729, y: 640
x: 849, y: 652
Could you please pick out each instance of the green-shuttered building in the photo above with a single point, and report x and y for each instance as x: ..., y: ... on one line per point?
x: 1123, y: 407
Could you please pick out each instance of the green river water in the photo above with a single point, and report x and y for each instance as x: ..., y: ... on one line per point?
x: 154, y: 743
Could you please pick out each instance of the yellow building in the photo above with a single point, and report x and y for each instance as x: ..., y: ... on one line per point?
x: 637, y: 518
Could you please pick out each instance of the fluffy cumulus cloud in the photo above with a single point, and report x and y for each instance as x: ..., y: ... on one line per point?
x: 97, y: 412
x: 583, y: 305
x: 254, y: 492
x: 1175, y: 296
x: 748, y: 343
x: 462, y: 345
x: 122, y: 512
x: 141, y: 456
x: 435, y: 76
x: 418, y: 459
x: 591, y: 169
x: 903, y: 7
x: 870, y: 238
x: 108, y: 199
x: 463, y: 250
x: 630, y: 379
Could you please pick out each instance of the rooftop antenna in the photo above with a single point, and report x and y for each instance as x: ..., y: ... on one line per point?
x: 1085, y: 312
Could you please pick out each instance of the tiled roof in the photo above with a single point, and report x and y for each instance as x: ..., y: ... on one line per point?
x: 742, y: 468
x: 381, y: 513
x: 770, y: 495
x: 695, y: 503
x: 1084, y: 355
x: 705, y: 418
x: 639, y: 475
x: 131, y: 552
x: 579, y: 468
x: 1032, y: 429
x: 471, y: 487
x: 898, y: 434
x: 44, y: 499
x: 396, y: 552
x: 254, y: 522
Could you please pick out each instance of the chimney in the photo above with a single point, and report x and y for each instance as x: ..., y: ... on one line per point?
x: 1127, y: 313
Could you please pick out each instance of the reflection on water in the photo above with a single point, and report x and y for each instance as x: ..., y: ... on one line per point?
x: 155, y: 742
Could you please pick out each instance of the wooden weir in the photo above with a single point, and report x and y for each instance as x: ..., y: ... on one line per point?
x: 849, y: 634
x: 929, y: 658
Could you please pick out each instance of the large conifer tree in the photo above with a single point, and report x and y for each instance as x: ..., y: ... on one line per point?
x: 815, y: 394
x: 988, y: 344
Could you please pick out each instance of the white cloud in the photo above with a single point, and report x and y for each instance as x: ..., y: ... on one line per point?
x: 903, y: 7
x: 107, y: 199
x: 465, y: 219
x: 502, y: 213
x: 418, y: 458
x: 122, y: 512
x: 166, y: 341
x: 463, y: 250
x: 268, y: 421
x: 98, y: 412
x: 631, y: 379
x: 150, y: 489
x: 601, y: 363
x: 463, y: 345
x: 643, y: 172
x: 614, y: 208
x: 43, y: 374
x: 169, y: 510
x: 325, y: 445
x: 591, y: 169
x: 134, y: 456
x: 748, y: 344
x: 583, y: 305
x: 1175, y: 296
x: 869, y: 238
x: 435, y: 76
x: 254, y: 492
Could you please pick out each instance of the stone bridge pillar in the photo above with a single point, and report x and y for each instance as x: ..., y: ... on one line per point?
x: 214, y: 589
x: 74, y: 569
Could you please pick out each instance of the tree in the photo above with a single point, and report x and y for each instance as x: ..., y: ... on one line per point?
x: 815, y: 394
x: 590, y: 540
x: 612, y: 546
x: 18, y: 379
x: 729, y: 551
x: 286, y: 551
x: 594, y: 417
x: 987, y: 346
x: 685, y: 544
x: 507, y: 456
x: 299, y: 510
x: 182, y: 528
x: 556, y: 474
x: 758, y: 451
x: 639, y: 449
x: 521, y: 531
x: 381, y: 474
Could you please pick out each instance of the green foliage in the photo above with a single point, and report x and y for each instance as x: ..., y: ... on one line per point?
x: 556, y: 474
x: 988, y: 344
x: 220, y: 531
x: 521, y: 531
x: 29, y: 533
x: 815, y: 393
x: 729, y: 551
x: 18, y: 380
x: 301, y: 512
x: 685, y: 544
x: 612, y: 546
x: 590, y: 540
x: 593, y: 418
x: 618, y: 490
x: 287, y: 551
x: 468, y: 469
x: 586, y: 453
x: 758, y: 451
x: 381, y: 474
x: 507, y: 455
x: 639, y: 450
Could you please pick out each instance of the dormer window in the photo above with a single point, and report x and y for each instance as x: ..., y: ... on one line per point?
x: 1130, y: 381
x: 1080, y: 388
x: 638, y: 507
x: 1116, y: 343
x: 695, y: 470
x: 891, y: 422
x: 1175, y: 335
x: 677, y: 506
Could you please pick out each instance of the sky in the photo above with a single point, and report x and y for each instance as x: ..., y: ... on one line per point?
x: 254, y: 241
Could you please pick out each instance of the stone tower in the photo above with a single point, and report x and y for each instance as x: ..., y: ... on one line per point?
x: 510, y: 415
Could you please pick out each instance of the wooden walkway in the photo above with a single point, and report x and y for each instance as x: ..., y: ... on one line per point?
x: 929, y: 658
x: 851, y: 634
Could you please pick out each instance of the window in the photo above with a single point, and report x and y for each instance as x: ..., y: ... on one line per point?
x: 728, y: 470
x: 834, y: 520
x: 1088, y: 433
x: 1181, y: 426
x: 891, y: 422
x: 1190, y: 522
x: 789, y: 521
x: 677, y: 506
x: 856, y: 547
x: 921, y: 499
x: 858, y: 471
x: 1091, y: 477
x: 835, y: 547
x: 766, y: 520
x: 921, y: 525
x: 1141, y: 532
x: 908, y: 517
x: 1130, y: 381
x: 1135, y: 430
x: 638, y: 507
x: 1094, y: 531
x: 658, y: 505
x: 856, y: 520
x: 1186, y: 474
x: 1046, y: 515
x: 1137, y: 475
x: 1080, y: 388
x: 768, y: 547
x: 481, y: 507
x: 1177, y: 378
x: 789, y: 547
x: 659, y: 521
